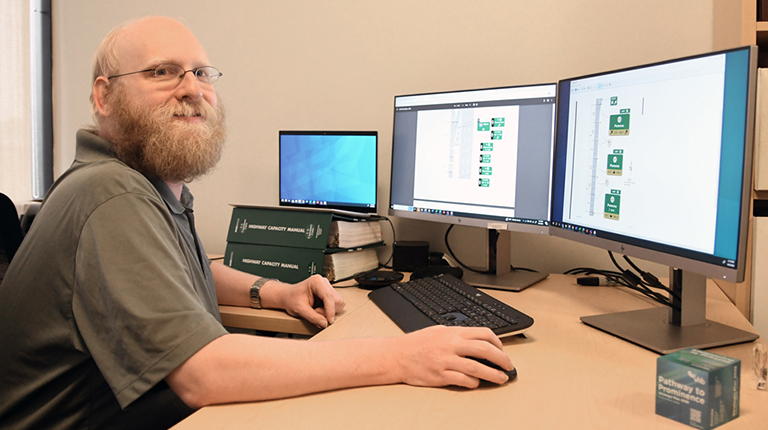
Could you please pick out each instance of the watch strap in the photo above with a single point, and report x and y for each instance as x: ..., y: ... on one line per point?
x: 255, y: 288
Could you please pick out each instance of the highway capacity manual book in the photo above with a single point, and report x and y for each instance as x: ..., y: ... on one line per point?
x: 292, y: 244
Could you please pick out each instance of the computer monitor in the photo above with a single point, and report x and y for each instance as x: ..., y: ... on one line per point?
x: 655, y: 162
x: 479, y: 158
x: 329, y: 170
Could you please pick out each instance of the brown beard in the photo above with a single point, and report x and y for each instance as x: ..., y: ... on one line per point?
x: 151, y: 141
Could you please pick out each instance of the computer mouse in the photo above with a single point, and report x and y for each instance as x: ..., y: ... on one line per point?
x: 512, y: 374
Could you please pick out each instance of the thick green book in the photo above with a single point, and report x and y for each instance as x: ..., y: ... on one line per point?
x: 272, y: 226
x: 288, y: 264
x: 300, y: 228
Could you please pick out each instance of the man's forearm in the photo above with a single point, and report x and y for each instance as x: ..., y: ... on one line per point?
x: 238, y: 368
x: 232, y: 286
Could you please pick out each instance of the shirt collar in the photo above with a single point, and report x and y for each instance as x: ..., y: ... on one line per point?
x: 92, y: 147
x: 178, y: 207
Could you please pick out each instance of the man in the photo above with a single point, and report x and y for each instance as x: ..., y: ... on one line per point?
x: 109, y: 310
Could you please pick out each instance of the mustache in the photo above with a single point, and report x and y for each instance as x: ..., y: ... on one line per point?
x: 184, y: 109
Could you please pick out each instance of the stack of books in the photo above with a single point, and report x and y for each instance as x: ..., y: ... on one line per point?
x: 292, y: 244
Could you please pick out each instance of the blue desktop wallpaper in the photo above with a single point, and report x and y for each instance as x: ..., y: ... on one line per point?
x: 331, y: 168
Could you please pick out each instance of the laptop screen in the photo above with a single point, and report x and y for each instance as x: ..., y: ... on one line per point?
x: 329, y: 169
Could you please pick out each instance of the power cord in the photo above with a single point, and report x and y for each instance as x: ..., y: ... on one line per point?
x: 461, y: 263
x: 481, y: 271
x: 392, y: 253
x: 650, y: 280
x: 642, y: 282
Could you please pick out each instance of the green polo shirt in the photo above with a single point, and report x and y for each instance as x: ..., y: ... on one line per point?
x: 109, y: 292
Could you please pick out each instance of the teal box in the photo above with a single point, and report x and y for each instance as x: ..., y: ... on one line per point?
x: 698, y: 388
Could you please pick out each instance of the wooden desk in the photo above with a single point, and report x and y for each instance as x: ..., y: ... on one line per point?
x: 571, y: 376
x: 280, y: 321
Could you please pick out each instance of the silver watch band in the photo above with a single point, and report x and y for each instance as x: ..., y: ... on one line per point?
x: 255, y: 296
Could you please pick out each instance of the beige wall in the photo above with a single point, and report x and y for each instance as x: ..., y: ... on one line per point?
x: 314, y: 64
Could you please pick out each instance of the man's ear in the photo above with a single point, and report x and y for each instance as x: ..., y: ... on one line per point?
x: 100, y: 88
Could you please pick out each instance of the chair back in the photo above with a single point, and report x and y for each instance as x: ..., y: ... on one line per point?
x: 10, y: 232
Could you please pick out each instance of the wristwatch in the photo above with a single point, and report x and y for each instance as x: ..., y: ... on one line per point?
x: 255, y: 298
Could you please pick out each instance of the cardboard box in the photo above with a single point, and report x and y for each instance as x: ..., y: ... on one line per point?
x: 698, y: 388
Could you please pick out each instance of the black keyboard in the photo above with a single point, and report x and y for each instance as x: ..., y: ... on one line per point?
x: 448, y: 301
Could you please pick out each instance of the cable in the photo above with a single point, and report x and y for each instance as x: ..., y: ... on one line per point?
x: 450, y: 251
x: 636, y: 283
x: 651, y: 280
x: 481, y: 271
x: 392, y: 253
x: 642, y: 283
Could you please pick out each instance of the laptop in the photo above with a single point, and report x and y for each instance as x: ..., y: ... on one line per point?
x: 330, y: 170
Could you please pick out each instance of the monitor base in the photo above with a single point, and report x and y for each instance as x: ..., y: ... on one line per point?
x: 509, y: 281
x: 650, y: 329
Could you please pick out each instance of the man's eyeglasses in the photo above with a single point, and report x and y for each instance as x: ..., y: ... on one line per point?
x: 171, y: 72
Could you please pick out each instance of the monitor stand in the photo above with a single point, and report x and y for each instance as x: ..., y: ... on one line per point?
x: 498, y: 255
x: 665, y: 330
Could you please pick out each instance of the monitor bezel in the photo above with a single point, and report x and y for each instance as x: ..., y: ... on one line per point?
x: 653, y: 251
x: 343, y: 207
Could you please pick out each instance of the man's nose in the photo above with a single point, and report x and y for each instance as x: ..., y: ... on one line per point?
x: 189, y: 87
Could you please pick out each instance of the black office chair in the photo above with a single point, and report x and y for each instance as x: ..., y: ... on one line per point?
x: 28, y: 216
x: 11, y: 233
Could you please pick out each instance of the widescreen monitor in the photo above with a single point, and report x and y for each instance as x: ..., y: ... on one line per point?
x: 329, y: 170
x: 655, y: 162
x: 479, y: 158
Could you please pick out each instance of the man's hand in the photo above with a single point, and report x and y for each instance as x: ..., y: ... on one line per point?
x: 437, y: 356
x: 313, y: 299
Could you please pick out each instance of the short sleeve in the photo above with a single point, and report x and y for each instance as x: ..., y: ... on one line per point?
x: 134, y: 302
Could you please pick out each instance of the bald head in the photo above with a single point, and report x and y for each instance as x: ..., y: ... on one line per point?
x: 153, y: 40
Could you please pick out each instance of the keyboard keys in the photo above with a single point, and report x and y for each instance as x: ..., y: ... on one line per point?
x: 449, y: 301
